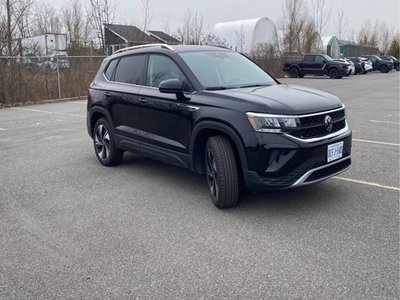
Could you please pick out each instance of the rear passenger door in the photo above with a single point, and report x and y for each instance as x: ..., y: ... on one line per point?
x: 124, y: 95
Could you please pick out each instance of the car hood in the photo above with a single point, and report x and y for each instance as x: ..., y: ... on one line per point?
x: 281, y: 99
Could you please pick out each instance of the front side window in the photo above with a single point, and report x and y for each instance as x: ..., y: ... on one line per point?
x: 130, y: 69
x: 216, y: 69
x: 161, y: 67
x: 319, y: 59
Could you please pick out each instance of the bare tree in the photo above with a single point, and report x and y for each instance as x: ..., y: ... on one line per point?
x: 340, y: 23
x: 240, y: 38
x: 193, y: 30
x: 147, y: 14
x: 77, y: 24
x: 101, y: 12
x: 320, y: 15
x: 292, y: 24
x: 47, y: 19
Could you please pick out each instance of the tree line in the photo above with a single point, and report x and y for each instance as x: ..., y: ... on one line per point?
x: 297, y: 28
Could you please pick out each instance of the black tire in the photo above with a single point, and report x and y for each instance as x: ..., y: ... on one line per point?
x: 294, y: 73
x: 384, y: 69
x: 221, y: 172
x: 334, y: 73
x: 104, y: 146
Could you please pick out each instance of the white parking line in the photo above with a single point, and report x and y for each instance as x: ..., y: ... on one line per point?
x: 368, y: 183
x: 48, y: 112
x: 375, y: 142
x: 387, y: 122
x: 2, y: 129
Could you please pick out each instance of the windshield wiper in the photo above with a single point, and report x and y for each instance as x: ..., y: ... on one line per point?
x: 217, y: 88
x: 255, y: 85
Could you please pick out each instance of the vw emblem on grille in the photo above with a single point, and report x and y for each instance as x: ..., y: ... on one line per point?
x: 328, y: 123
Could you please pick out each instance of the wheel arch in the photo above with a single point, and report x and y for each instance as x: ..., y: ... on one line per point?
x: 95, y: 114
x: 205, y: 130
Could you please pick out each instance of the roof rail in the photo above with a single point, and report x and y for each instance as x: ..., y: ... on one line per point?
x: 165, y: 46
x: 221, y: 46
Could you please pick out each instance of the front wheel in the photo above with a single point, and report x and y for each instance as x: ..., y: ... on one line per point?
x: 221, y: 172
x: 104, y: 146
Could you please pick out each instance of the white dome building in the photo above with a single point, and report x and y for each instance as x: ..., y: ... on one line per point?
x: 245, y: 35
x: 331, y: 46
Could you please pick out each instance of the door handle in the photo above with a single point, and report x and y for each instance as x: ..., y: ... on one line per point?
x: 107, y: 94
x: 143, y: 100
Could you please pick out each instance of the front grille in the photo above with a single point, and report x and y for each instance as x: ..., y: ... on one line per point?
x: 329, y: 171
x: 314, y: 127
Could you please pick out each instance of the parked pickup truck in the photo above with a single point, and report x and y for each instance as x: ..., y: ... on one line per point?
x: 315, y: 64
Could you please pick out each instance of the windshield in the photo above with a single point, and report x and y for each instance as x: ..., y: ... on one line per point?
x: 225, y: 69
x: 327, y: 57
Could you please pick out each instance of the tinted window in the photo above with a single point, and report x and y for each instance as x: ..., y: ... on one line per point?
x: 319, y: 59
x: 110, y: 69
x: 161, y: 68
x: 224, y: 69
x: 130, y: 69
x: 308, y: 58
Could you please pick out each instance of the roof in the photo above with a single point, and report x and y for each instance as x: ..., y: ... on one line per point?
x: 174, y: 48
x: 131, y: 34
x: 163, y: 36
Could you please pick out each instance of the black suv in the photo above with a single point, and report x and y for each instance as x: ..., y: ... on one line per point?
x: 215, y: 112
x: 379, y: 64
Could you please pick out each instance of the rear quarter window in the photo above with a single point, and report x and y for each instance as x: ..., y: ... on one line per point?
x: 109, y: 72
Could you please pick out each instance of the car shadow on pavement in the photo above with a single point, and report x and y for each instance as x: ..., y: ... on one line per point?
x: 320, y: 196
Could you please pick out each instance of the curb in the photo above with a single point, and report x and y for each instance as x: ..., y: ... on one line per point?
x: 42, y: 102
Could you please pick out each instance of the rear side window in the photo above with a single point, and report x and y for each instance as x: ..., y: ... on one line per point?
x: 308, y: 58
x: 110, y: 69
x: 130, y: 69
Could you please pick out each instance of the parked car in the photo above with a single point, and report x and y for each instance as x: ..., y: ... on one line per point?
x: 395, y: 61
x: 358, y: 65
x: 350, y: 66
x: 378, y: 64
x: 316, y: 64
x: 215, y: 112
x: 367, y: 65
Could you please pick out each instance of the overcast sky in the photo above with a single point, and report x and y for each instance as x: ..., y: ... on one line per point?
x: 214, y: 11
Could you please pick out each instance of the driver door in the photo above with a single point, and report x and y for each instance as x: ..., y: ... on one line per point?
x: 165, y: 121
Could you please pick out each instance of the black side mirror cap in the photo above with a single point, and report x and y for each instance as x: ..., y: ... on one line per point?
x: 173, y: 86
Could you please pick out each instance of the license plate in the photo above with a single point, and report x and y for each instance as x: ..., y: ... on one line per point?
x: 335, y: 151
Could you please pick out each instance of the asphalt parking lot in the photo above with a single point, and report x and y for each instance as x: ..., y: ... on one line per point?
x: 71, y: 228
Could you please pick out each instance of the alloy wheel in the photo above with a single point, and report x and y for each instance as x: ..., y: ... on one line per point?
x: 102, y: 142
x: 212, y: 175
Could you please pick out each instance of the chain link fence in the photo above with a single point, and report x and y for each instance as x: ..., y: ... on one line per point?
x: 31, y: 79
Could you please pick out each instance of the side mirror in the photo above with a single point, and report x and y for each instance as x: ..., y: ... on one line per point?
x: 173, y: 86
x: 324, y: 61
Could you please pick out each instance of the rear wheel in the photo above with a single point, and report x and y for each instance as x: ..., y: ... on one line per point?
x: 294, y: 73
x: 384, y: 69
x: 334, y: 73
x: 221, y: 172
x: 104, y: 146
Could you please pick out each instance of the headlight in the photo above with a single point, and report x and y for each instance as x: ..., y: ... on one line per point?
x: 272, y: 123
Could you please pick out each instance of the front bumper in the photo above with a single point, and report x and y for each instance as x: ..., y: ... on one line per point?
x: 299, y: 162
